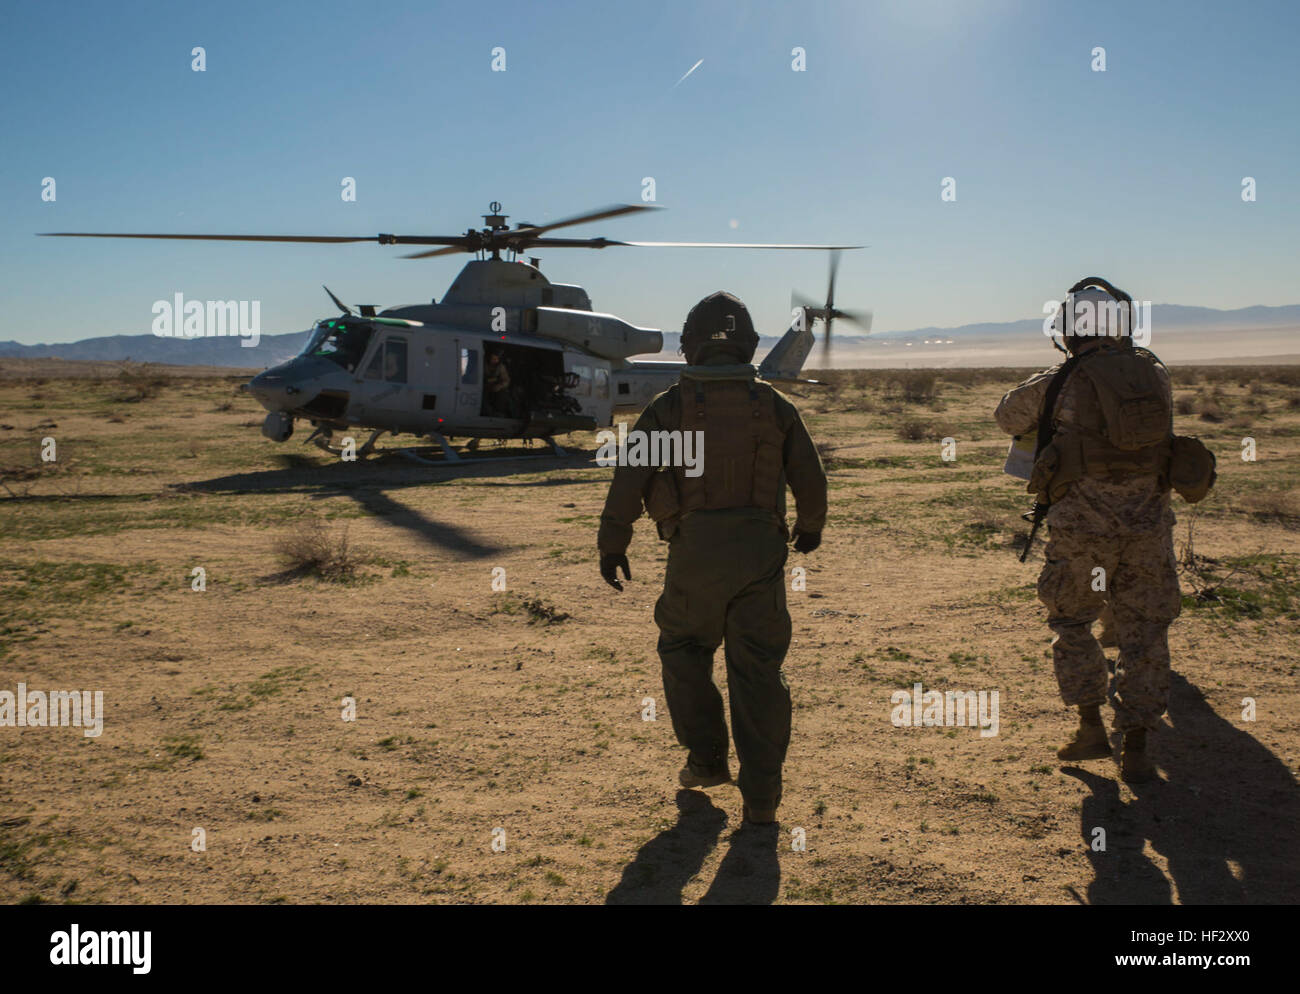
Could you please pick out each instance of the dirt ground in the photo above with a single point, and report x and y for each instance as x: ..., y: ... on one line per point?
x: 518, y: 716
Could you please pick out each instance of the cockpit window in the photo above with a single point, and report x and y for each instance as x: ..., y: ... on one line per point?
x: 340, y: 342
x: 395, y: 359
x: 389, y: 361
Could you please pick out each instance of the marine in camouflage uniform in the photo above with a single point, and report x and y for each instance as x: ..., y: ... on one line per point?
x: 1119, y: 521
x: 727, y: 534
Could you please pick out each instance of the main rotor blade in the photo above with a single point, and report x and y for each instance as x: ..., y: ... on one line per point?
x: 449, y: 250
x: 382, y: 239
x: 215, y: 238
x: 519, y: 245
x: 830, y: 289
x: 614, y: 210
x: 745, y: 245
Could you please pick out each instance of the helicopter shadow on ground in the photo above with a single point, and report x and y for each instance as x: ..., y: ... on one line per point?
x: 749, y: 873
x: 387, y: 474
x: 1225, y: 816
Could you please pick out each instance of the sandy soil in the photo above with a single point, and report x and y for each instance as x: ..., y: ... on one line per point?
x: 521, y: 710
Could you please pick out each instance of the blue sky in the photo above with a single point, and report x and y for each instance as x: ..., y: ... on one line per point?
x: 1133, y: 173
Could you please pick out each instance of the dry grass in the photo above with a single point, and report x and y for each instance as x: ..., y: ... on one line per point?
x: 917, y: 386
x: 1282, y: 506
x: 140, y: 381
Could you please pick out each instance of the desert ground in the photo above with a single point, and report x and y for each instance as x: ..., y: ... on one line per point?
x: 517, y: 716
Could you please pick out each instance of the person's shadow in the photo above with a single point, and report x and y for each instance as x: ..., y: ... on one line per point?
x: 1225, y: 816
x: 749, y: 873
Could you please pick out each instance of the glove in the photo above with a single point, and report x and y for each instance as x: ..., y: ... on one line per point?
x: 609, y: 564
x: 806, y: 541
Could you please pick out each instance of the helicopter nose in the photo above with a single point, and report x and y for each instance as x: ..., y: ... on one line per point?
x: 275, y: 391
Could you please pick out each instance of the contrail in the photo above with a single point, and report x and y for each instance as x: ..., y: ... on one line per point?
x: 688, y: 72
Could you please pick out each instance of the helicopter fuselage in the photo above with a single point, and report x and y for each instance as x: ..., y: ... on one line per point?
x: 428, y: 369
x: 506, y: 354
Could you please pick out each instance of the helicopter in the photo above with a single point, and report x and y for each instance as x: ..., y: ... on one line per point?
x: 506, y: 354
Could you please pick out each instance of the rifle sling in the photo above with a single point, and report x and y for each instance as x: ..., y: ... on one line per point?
x: 1046, y: 421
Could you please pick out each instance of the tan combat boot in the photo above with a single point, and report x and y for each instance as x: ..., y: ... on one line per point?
x: 1135, y: 762
x: 1090, y: 741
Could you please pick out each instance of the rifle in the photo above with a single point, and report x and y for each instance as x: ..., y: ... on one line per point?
x: 1034, y: 516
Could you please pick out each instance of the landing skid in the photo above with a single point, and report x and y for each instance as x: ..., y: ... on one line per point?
x: 321, y: 438
x: 450, y: 455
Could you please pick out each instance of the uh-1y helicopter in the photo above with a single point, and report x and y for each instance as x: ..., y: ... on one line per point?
x: 506, y: 354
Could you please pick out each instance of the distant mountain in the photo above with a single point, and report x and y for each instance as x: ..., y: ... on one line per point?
x: 1164, y: 317
x: 1267, y: 329
x: 214, y: 351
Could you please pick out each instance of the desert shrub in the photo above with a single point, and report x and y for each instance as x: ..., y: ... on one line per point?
x: 918, y: 386
x: 915, y: 430
x: 1210, y: 408
x: 137, y: 383
x: 313, y: 550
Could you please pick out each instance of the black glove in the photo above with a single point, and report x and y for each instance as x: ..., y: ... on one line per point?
x: 609, y: 564
x: 806, y: 541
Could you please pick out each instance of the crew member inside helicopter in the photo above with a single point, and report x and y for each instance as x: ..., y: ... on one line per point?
x: 496, y: 386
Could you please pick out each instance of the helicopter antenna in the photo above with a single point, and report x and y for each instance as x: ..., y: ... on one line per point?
x: 337, y: 303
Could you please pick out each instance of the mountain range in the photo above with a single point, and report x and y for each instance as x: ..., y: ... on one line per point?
x: 1179, y: 333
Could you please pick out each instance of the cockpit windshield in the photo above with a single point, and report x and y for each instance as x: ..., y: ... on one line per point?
x: 340, y: 341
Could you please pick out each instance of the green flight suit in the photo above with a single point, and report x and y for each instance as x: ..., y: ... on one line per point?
x: 725, y: 583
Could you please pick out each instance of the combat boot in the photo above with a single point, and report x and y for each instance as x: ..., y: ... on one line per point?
x: 1135, y: 762
x: 1090, y: 741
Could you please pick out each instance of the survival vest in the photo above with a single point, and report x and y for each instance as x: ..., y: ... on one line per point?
x: 742, y: 447
x: 743, y: 443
